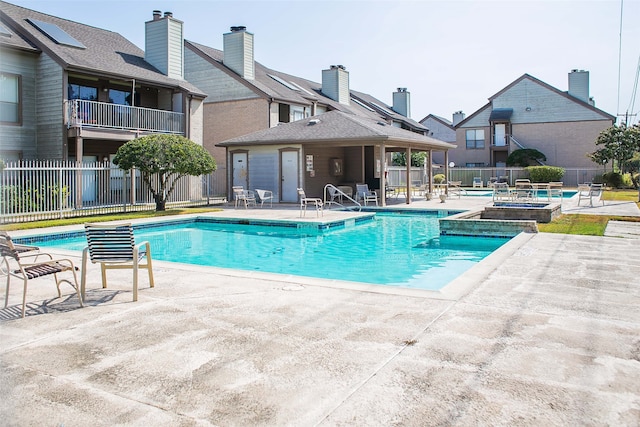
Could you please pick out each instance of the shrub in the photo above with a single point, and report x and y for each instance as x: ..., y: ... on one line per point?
x: 545, y: 173
x: 612, y: 179
x: 618, y: 180
x: 439, y: 178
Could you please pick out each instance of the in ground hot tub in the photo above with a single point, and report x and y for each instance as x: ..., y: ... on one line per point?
x: 538, y: 211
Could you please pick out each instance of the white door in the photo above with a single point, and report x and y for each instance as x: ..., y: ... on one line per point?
x: 499, y: 135
x: 240, y: 170
x: 289, y: 171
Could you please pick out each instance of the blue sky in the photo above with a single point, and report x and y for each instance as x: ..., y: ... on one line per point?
x: 451, y: 55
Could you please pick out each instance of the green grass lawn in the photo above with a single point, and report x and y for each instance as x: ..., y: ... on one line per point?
x: 107, y: 217
x: 591, y: 225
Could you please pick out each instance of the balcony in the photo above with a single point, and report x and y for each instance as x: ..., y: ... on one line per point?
x: 101, y: 115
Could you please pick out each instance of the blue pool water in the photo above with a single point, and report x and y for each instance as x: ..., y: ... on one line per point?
x: 403, y: 250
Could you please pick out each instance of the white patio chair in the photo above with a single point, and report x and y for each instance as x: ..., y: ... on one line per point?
x: 304, y: 201
x: 114, y: 247
x: 593, y: 191
x: 16, y: 254
x: 363, y: 192
x: 265, y: 196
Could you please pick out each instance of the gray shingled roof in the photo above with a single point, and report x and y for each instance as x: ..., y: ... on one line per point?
x: 338, y: 128
x: 106, y: 52
x: 311, y: 91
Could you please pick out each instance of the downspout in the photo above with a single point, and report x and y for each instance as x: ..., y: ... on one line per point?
x: 187, y: 119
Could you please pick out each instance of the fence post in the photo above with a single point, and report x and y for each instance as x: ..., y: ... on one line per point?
x: 60, y: 190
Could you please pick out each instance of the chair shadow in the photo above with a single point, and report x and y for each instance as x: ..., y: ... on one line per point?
x: 68, y: 303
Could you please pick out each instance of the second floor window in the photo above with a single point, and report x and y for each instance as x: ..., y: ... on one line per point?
x: 119, y: 97
x: 10, y: 108
x: 475, y: 139
x: 87, y: 93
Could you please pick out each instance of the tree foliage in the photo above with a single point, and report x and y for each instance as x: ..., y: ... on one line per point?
x: 167, y: 157
x: 418, y: 158
x: 525, y: 157
x: 618, y: 144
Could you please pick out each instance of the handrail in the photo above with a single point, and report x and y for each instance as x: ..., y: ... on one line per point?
x: 341, y: 193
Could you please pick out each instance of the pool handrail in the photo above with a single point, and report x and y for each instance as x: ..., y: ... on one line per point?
x: 337, y: 192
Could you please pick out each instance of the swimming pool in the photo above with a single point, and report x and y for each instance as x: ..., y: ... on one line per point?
x: 404, y: 250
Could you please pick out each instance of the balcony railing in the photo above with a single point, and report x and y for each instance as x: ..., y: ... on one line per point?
x: 81, y: 113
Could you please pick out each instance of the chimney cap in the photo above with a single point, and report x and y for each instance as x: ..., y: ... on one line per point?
x: 168, y: 14
x: 238, y: 28
x: 157, y: 14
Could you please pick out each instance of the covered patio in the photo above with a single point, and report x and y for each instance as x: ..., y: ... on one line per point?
x: 333, y: 148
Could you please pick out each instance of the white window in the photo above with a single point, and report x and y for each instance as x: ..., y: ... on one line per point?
x: 10, y: 109
x: 475, y: 139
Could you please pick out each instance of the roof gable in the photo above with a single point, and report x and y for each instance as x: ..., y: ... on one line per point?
x: 105, y: 52
x: 534, y: 101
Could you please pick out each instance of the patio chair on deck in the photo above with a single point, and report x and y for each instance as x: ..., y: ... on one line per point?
x: 363, y: 192
x: 265, y: 196
x: 555, y: 189
x: 114, y: 247
x: 477, y: 182
x: 16, y: 254
x: 304, y: 201
x: 593, y: 191
x: 455, y: 188
x: 243, y: 196
x: 501, y: 192
x: 524, y: 190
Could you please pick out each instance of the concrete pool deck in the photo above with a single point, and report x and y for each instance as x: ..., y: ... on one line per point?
x: 546, y: 332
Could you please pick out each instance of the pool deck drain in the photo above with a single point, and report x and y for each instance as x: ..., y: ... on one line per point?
x: 546, y: 335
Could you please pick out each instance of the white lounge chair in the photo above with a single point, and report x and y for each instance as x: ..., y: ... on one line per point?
x: 363, y: 192
x: 593, y: 191
x: 304, y: 201
x: 477, y: 181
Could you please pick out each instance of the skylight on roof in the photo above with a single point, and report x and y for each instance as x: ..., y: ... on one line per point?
x: 300, y: 87
x: 283, y: 82
x: 4, y: 31
x: 362, y: 104
x: 381, y: 108
x: 56, y: 33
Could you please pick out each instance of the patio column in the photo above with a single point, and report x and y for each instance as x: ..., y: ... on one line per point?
x: 408, y: 162
x: 383, y: 177
x: 446, y: 172
x: 430, y: 171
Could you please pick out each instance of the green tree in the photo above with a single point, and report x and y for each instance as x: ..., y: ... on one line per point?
x: 617, y: 144
x: 170, y: 157
x: 525, y: 157
x: 418, y: 158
